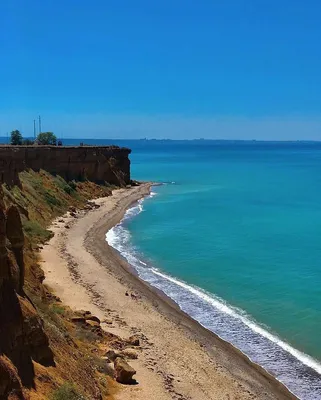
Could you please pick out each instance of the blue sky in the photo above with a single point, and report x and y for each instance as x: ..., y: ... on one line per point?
x: 232, y: 69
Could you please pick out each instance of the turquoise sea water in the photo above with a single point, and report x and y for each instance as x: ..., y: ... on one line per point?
x: 234, y: 236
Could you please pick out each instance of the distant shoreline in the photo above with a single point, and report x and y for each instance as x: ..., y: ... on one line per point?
x: 5, y: 141
x: 111, y: 276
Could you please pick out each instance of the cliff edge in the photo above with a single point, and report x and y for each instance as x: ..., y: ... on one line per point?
x: 97, y: 164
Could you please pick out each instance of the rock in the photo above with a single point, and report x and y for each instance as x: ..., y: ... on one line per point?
x: 92, y: 324
x: 134, y: 340
x: 16, y: 237
x: 85, y: 313
x: 78, y: 320
x: 92, y: 318
x: 113, y: 354
x: 130, y: 354
x: 134, y: 183
x: 123, y: 371
x: 61, y: 220
x: 35, y: 337
x: 9, y: 380
x: 73, y: 214
x: 72, y: 209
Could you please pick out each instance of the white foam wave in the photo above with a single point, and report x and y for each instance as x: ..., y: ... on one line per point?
x: 230, y: 323
x: 229, y: 310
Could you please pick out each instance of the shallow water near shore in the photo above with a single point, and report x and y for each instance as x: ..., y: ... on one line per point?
x: 233, y: 238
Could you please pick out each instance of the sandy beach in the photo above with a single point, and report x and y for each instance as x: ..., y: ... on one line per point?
x: 178, y: 358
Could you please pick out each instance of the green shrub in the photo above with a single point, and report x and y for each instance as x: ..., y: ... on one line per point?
x: 67, y: 189
x: 57, y: 309
x: 86, y: 335
x: 52, y: 199
x: 34, y: 230
x: 67, y: 391
x: 73, y: 185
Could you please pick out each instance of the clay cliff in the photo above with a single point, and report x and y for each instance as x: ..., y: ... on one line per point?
x: 97, y: 164
x: 22, y: 338
x: 38, y: 354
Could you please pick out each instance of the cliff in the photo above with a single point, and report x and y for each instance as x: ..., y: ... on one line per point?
x: 39, y: 348
x: 22, y: 337
x: 97, y: 164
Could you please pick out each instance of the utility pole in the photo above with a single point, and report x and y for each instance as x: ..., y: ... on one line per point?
x: 39, y: 124
x: 34, y: 129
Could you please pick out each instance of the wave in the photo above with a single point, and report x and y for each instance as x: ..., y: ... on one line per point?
x: 295, y: 369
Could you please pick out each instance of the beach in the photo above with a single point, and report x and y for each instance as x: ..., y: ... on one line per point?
x: 178, y: 359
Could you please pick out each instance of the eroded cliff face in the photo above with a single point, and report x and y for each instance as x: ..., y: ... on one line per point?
x: 22, y: 338
x: 97, y: 164
x: 37, y: 197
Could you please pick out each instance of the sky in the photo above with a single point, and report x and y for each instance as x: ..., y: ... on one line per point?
x: 179, y: 69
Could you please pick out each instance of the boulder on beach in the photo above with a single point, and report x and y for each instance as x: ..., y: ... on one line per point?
x: 92, y: 318
x: 130, y: 354
x: 92, y: 324
x: 134, y: 340
x: 112, y: 355
x: 123, y: 371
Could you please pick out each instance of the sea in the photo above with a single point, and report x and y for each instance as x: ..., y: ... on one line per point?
x: 232, y: 233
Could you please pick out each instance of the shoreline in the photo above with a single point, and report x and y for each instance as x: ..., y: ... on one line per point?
x: 85, y: 272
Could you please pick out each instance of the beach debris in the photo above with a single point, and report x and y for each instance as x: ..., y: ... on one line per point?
x: 134, y: 340
x: 126, y: 294
x: 123, y: 371
x: 72, y: 209
x: 61, y: 220
x: 135, y: 296
x: 73, y: 214
x: 67, y: 226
